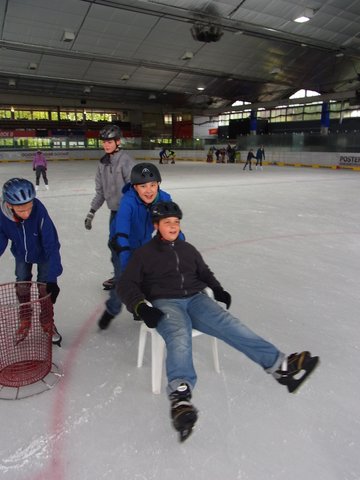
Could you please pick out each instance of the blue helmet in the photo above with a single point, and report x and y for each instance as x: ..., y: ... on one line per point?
x: 18, y: 191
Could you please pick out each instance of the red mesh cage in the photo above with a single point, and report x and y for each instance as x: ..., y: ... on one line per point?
x: 26, y: 326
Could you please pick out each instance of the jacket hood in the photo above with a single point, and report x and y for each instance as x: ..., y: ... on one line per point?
x: 7, y: 211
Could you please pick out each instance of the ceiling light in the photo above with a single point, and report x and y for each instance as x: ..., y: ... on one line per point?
x: 12, y: 82
x: 152, y: 96
x: 339, y: 54
x: 187, y: 56
x: 32, y: 66
x: 87, y: 89
x: 306, y: 15
x: 68, y: 36
x: 201, y: 89
x: 125, y: 77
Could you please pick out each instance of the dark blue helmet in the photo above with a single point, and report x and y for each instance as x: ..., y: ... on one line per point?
x: 18, y: 191
x: 164, y: 210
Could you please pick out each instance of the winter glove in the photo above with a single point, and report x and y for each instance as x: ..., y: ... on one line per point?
x: 150, y: 315
x: 222, y: 296
x: 88, y: 220
x: 34, y: 169
x: 53, y: 288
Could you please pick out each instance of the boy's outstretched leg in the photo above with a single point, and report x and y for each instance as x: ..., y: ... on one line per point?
x: 295, y: 369
x: 183, y: 413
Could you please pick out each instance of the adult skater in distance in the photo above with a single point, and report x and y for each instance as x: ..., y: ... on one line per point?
x: 250, y: 156
x: 260, y: 156
x: 113, y: 172
x: 164, y: 284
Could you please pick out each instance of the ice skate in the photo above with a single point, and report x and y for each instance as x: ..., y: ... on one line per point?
x: 183, y: 412
x: 56, y: 337
x: 109, y: 284
x: 105, y: 320
x: 295, y: 369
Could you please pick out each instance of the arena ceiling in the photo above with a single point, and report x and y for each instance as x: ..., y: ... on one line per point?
x: 144, y: 54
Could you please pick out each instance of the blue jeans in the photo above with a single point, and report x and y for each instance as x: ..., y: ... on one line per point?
x: 113, y: 303
x: 207, y: 316
x: 23, y: 271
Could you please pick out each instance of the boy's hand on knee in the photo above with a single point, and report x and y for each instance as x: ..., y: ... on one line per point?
x: 150, y: 315
x: 223, y: 296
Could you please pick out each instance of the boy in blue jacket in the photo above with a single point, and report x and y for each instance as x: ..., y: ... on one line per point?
x: 25, y: 221
x: 132, y: 226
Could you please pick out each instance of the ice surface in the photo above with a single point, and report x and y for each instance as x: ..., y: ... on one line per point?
x: 285, y: 243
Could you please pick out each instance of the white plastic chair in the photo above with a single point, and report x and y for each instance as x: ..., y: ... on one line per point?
x: 158, y: 351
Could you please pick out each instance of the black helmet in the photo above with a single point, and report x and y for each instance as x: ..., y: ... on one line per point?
x: 18, y: 191
x: 110, y: 132
x: 144, y: 173
x: 164, y: 210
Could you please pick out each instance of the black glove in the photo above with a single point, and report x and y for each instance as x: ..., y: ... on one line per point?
x: 53, y: 288
x: 88, y: 220
x: 34, y: 169
x: 150, y: 315
x: 222, y: 296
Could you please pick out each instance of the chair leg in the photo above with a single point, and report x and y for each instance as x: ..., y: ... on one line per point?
x: 215, y: 354
x: 142, y: 343
x: 157, y: 360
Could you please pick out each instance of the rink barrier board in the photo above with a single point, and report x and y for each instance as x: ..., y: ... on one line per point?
x: 196, y: 159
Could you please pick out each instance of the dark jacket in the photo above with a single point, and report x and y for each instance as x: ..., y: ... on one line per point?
x: 33, y: 240
x: 162, y: 269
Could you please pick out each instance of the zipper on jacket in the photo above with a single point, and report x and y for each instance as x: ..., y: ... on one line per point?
x: 25, y: 243
x: 178, y: 268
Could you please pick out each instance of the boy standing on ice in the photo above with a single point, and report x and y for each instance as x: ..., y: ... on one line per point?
x: 172, y: 275
x: 25, y: 221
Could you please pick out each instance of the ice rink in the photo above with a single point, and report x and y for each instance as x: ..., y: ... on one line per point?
x: 285, y: 243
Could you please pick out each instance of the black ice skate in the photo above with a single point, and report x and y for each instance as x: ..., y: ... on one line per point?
x: 109, y: 284
x: 105, y: 320
x: 183, y: 412
x: 56, y: 337
x: 295, y: 369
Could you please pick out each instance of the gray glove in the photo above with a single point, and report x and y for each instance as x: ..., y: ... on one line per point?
x: 88, y: 220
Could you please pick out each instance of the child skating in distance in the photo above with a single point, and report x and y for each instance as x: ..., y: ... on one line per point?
x: 40, y: 168
x: 171, y: 274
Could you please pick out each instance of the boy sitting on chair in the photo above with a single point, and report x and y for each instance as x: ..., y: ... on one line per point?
x: 171, y: 274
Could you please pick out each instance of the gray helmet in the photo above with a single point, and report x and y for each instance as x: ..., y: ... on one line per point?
x: 18, y: 191
x: 144, y: 173
x: 110, y: 132
x: 164, y: 210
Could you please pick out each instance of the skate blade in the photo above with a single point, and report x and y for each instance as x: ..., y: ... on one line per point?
x: 108, y: 287
x: 184, y: 434
x: 295, y: 383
